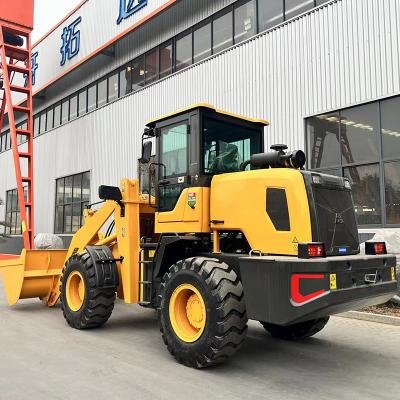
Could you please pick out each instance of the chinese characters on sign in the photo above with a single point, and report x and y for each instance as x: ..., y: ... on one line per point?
x: 35, y: 66
x: 129, y: 7
x: 71, y: 38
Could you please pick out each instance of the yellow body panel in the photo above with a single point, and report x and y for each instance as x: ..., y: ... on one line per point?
x: 184, y: 218
x: 239, y: 200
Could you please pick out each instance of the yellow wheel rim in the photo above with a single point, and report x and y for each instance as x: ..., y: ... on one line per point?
x: 187, y: 313
x: 75, y: 291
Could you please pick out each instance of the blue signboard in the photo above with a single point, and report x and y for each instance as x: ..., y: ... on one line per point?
x: 129, y: 7
x: 71, y: 41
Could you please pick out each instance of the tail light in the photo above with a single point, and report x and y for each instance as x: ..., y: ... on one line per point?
x: 373, y: 248
x: 311, y: 250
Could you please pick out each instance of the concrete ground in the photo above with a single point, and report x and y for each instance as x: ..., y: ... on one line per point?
x: 41, y: 358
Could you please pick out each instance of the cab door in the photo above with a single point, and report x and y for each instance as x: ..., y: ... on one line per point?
x: 174, y: 169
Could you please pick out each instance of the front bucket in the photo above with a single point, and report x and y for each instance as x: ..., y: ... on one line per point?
x: 31, y: 274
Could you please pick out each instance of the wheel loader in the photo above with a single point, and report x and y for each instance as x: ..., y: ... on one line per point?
x: 215, y: 232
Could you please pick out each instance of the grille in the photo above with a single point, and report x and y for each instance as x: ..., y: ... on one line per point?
x: 336, y: 221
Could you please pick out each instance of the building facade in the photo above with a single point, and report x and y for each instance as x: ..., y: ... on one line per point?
x: 324, y: 73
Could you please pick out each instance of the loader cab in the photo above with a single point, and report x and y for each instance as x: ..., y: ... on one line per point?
x: 194, y: 144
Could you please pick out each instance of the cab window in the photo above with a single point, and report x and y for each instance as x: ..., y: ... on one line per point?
x: 226, y: 146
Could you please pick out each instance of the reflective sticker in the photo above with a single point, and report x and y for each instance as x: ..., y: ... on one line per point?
x: 393, y: 273
x: 332, y: 280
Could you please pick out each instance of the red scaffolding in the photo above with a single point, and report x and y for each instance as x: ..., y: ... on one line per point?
x: 16, y: 23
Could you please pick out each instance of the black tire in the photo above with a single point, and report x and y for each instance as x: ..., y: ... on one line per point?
x: 298, y: 331
x: 226, y: 320
x: 98, y: 303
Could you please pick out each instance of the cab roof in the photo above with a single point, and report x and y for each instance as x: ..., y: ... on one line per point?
x: 211, y: 108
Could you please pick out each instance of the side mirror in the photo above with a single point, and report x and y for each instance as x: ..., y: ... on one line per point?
x: 146, y: 152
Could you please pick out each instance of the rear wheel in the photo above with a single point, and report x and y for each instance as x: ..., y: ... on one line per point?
x: 202, y: 312
x: 298, y: 331
x: 84, y: 305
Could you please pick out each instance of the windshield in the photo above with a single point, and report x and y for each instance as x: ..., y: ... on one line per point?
x: 226, y: 146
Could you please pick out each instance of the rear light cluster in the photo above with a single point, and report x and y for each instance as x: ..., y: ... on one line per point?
x: 311, y: 250
x: 374, y: 248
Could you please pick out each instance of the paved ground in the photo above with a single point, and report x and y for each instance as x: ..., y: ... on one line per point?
x: 40, y: 358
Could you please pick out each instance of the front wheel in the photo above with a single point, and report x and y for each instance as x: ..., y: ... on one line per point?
x: 202, y: 312
x: 298, y: 331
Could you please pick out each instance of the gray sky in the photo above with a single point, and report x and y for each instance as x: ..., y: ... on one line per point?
x: 48, y: 13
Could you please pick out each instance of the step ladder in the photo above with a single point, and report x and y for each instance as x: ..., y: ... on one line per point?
x: 16, y: 103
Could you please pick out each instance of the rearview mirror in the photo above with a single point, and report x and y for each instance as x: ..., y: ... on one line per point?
x: 146, y: 152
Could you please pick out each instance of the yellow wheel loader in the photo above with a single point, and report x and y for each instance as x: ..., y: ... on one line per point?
x: 215, y: 232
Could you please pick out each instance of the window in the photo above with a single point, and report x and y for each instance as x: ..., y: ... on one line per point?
x: 296, y: 7
x: 92, y: 98
x: 13, y: 218
x: 113, y: 87
x: 151, y: 67
x: 50, y: 117
x: 57, y: 115
x: 42, y: 122
x: 324, y: 139
x: 125, y: 80
x: 202, y: 42
x: 82, y: 102
x: 65, y: 111
x: 227, y: 146
x: 390, y: 119
x: 102, y: 92
x: 183, y: 51
x: 73, y: 107
x: 36, y: 125
x: 72, y: 196
x: 138, y: 73
x: 222, y: 31
x: 359, y: 134
x: 270, y: 13
x: 392, y: 192
x: 165, y: 59
x: 174, y: 149
x: 366, y: 193
x: 245, y: 21
x: 277, y: 209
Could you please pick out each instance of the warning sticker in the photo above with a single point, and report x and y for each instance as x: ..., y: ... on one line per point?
x: 295, y: 244
x: 192, y: 199
x: 332, y: 280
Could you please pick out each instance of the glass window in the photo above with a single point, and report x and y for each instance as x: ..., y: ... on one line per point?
x: 12, y: 215
x: 392, y: 192
x: 245, y: 21
x: 36, y: 125
x: 296, y: 7
x: 57, y: 115
x: 174, y: 149
x: 222, y: 32
x: 73, y: 107
x: 113, y: 87
x: 125, y: 80
x: 91, y: 97
x: 227, y: 146
x: 165, y: 59
x: 390, y: 120
x: 270, y: 13
x: 82, y: 98
x: 50, y: 117
x: 138, y: 73
x: 202, y: 42
x: 323, y: 141
x: 366, y: 193
x: 151, y: 69
x: 102, y: 92
x: 65, y: 111
x: 42, y: 122
x: 358, y: 133
x: 72, y: 196
x: 183, y: 51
